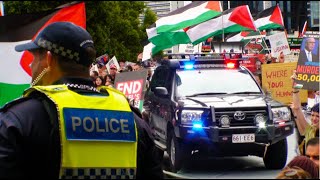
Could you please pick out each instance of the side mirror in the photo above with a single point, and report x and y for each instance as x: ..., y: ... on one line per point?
x: 161, y: 91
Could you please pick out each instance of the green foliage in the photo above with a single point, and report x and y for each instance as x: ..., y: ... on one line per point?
x: 113, y: 25
x: 149, y: 19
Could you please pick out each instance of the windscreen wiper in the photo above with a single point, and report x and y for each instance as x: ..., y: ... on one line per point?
x: 201, y: 94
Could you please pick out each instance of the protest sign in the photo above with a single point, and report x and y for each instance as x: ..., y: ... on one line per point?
x: 279, y: 43
x: 147, y: 51
x: 308, y: 62
x: 132, y: 85
x: 276, y: 79
x: 103, y: 59
x: 186, y: 48
x: 254, y: 43
x: 113, y: 61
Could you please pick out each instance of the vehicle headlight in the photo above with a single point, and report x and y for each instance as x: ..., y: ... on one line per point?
x: 190, y: 116
x: 260, y: 120
x: 281, y: 114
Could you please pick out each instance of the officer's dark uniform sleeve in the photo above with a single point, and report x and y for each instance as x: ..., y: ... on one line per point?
x: 149, y: 163
x: 24, y: 138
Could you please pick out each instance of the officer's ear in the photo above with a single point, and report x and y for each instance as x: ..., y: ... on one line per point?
x: 51, y: 60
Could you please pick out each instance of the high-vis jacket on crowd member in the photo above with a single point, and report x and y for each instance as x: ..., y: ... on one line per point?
x: 98, y: 133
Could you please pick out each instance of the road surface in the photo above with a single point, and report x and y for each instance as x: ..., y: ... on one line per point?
x: 250, y: 167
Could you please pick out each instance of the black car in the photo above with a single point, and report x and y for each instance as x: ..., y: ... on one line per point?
x: 215, y: 107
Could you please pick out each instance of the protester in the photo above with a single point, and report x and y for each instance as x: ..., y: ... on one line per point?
x: 129, y: 68
x: 99, y: 81
x: 50, y: 132
x: 104, y: 73
x: 94, y: 75
x: 299, y: 163
x: 150, y: 72
x: 312, y: 150
x: 113, y: 72
x: 293, y: 173
x: 305, y: 129
x: 122, y: 65
x: 109, y: 82
x: 136, y: 67
x: 281, y: 57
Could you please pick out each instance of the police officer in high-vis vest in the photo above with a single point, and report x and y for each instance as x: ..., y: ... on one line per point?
x: 63, y: 127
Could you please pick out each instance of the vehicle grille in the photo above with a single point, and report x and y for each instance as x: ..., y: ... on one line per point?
x: 248, y: 121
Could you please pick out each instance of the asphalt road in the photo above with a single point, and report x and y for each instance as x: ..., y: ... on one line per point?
x: 250, y: 167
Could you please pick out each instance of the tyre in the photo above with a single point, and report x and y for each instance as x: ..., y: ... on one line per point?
x: 276, y: 155
x: 177, y: 153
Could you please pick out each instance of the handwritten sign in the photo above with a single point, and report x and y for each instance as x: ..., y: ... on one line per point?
x: 276, y: 79
x: 279, y: 43
x: 186, y: 48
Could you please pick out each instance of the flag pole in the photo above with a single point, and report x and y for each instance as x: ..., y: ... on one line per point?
x: 222, y: 28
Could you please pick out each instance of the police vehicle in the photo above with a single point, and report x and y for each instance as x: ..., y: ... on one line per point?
x: 212, y: 105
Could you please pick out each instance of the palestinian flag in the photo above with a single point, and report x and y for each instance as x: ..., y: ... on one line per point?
x: 189, y: 15
x: 237, y: 37
x: 232, y: 20
x: 1, y: 8
x: 167, y: 39
x: 304, y: 29
x: 270, y: 18
x: 15, y: 72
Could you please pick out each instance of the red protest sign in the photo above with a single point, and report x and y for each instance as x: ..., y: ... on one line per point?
x: 132, y: 89
x: 132, y: 84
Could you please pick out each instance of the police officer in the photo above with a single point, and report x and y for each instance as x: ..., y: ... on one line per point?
x: 63, y: 127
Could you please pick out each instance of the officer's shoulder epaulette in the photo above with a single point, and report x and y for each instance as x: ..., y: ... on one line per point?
x: 14, y: 102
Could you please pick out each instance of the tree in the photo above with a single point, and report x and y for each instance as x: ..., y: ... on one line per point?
x: 114, y: 25
x: 149, y: 18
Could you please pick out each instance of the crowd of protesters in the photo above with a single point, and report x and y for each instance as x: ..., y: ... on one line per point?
x: 102, y: 77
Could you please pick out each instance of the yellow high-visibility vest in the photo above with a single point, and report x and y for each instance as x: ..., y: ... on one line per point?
x: 98, y: 133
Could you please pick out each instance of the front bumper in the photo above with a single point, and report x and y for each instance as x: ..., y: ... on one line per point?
x: 213, y: 134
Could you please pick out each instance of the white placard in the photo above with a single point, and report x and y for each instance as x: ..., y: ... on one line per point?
x: 279, y: 43
x: 147, y: 50
x: 114, y: 61
x: 186, y: 48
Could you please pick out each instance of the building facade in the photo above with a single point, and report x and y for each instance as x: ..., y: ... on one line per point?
x: 313, y: 14
x: 162, y: 8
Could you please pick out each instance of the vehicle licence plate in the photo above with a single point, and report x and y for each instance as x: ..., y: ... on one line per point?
x: 243, y: 138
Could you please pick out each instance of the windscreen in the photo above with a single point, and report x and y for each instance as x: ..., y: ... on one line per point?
x: 215, y: 81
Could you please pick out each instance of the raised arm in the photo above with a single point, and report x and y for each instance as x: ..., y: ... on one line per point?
x: 297, y: 110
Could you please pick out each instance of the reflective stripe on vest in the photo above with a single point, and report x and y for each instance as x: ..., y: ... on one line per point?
x: 98, y: 133
x: 99, y: 173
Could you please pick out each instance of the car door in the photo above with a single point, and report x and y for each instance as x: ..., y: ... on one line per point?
x: 159, y: 104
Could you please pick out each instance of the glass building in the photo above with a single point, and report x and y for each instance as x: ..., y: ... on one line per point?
x: 313, y: 14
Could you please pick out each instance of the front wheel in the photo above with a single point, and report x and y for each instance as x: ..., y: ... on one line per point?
x: 276, y: 155
x: 177, y: 153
